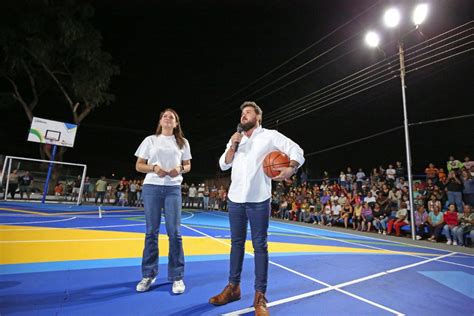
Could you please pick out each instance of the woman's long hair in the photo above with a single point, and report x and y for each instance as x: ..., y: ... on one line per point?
x: 177, y: 132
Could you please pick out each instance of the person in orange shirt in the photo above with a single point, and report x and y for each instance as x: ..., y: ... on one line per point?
x: 431, y: 172
x: 442, y: 175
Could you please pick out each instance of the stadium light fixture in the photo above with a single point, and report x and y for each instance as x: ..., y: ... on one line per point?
x: 420, y: 13
x: 372, y: 39
x: 391, y: 17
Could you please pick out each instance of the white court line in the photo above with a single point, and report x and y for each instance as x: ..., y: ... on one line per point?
x: 81, y: 227
x: 372, y: 247
x: 364, y: 245
x: 73, y: 240
x: 302, y: 275
x: 40, y: 222
x: 338, y: 286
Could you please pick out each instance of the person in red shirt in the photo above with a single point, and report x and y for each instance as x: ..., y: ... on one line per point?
x: 451, y: 221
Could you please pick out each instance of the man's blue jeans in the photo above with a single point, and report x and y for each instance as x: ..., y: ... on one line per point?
x: 258, y: 215
x: 158, y: 198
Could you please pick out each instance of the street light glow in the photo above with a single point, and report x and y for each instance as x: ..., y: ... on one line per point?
x: 391, y: 17
x: 372, y: 39
x: 420, y: 13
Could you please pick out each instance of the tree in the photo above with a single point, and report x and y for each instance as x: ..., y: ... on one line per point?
x: 51, y: 47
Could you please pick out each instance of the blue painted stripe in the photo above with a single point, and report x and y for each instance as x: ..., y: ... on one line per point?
x: 458, y: 281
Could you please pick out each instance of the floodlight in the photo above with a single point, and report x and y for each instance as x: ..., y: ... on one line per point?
x: 391, y: 17
x: 372, y: 39
x: 420, y: 13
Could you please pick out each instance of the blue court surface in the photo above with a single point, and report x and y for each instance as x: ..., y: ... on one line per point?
x: 70, y: 260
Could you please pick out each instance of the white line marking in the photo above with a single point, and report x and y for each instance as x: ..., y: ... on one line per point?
x: 300, y: 274
x: 40, y: 222
x: 72, y: 240
x: 339, y: 286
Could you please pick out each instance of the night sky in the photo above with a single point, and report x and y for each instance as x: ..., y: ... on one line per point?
x: 197, y: 56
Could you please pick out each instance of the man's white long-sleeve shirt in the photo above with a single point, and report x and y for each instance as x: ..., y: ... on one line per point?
x: 249, y: 182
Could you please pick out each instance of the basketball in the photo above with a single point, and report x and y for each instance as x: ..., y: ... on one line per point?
x: 275, y: 159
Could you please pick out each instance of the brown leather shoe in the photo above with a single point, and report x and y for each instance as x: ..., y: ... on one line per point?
x: 230, y: 293
x: 260, y: 304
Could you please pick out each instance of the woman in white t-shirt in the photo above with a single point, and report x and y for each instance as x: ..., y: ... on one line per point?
x: 164, y: 157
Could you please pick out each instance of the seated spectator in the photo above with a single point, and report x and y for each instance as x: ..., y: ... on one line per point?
x: 58, y: 189
x: 357, y: 216
x: 378, y: 214
x: 421, y: 222
x: 436, y: 223
x: 367, y: 217
x: 466, y: 225
x: 346, y: 213
x: 327, y: 214
x: 335, y: 212
x: 399, y: 221
x: 451, y: 221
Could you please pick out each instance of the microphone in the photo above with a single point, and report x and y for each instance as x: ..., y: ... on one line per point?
x: 240, y: 129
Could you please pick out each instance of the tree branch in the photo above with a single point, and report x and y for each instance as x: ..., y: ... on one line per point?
x: 34, y: 102
x: 17, y: 96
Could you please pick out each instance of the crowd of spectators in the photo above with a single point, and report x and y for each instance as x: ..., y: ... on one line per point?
x: 379, y: 202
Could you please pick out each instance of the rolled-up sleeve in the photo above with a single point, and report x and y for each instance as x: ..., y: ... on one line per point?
x: 289, y: 147
x: 224, y: 166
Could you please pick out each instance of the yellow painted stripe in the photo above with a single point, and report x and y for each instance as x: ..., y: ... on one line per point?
x: 79, y: 244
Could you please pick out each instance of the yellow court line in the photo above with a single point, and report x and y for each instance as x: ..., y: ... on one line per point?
x: 20, y: 211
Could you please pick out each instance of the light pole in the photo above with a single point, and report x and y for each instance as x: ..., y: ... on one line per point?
x: 392, y: 18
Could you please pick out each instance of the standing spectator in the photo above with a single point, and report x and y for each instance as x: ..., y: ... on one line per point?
x: 213, y: 198
x: 13, y: 183
x: 349, y: 178
x: 360, y: 177
x: 200, y: 196
x: 85, y: 193
x: 391, y: 174
x: 163, y: 157
x: 26, y: 182
x: 132, y: 193
x: 466, y: 225
x: 436, y: 223
x: 205, y: 197
x: 468, y: 163
x: 76, y: 188
x: 454, y: 189
x: 453, y: 164
x: 431, y: 172
x: 342, y: 180
x: 399, y: 170
x: 468, y: 188
x: 451, y: 220
x: 100, y: 189
x: 192, y: 194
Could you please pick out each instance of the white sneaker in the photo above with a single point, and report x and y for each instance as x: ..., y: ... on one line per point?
x: 145, y: 284
x: 455, y: 243
x: 418, y: 237
x: 448, y: 242
x: 384, y: 232
x: 380, y: 231
x: 178, y: 287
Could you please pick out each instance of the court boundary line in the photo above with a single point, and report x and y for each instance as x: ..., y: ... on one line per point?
x: 40, y: 222
x: 302, y: 275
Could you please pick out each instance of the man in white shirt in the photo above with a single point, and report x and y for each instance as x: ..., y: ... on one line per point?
x: 249, y: 198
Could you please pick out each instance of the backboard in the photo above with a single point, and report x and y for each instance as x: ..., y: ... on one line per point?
x: 52, y: 132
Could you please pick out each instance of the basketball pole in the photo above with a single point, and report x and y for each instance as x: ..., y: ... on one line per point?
x: 50, y: 168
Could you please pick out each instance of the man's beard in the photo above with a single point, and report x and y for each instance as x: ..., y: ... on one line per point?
x: 248, y: 125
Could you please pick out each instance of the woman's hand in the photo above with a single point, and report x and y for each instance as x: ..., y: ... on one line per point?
x: 175, y: 172
x: 160, y: 172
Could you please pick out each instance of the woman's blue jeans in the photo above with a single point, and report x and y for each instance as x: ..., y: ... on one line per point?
x: 166, y: 199
x: 258, y: 215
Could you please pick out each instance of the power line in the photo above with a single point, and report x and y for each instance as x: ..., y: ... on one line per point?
x: 386, y: 132
x: 298, y: 54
